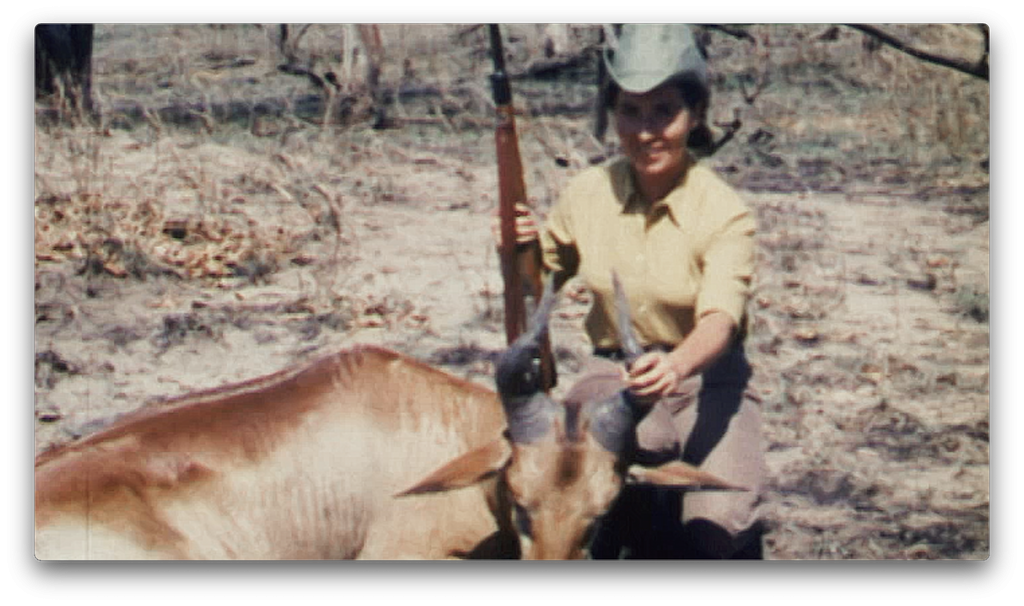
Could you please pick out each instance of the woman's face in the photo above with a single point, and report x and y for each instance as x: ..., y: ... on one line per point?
x: 653, y: 128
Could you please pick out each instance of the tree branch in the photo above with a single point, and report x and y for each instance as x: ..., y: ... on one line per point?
x: 736, y: 31
x: 315, y: 79
x: 977, y: 69
x: 729, y: 131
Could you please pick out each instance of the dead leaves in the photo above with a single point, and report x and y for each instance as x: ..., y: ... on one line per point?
x: 806, y: 335
x: 124, y: 239
x: 387, y: 312
x: 794, y: 309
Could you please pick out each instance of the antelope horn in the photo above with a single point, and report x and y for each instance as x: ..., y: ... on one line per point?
x: 614, y: 420
x: 518, y: 377
x: 627, y: 336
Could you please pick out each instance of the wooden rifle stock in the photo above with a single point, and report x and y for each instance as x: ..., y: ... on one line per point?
x: 520, y: 264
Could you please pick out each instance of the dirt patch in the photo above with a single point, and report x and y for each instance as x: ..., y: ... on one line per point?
x: 233, y: 235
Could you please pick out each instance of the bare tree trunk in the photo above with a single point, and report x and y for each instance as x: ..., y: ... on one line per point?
x: 342, y: 83
x: 373, y: 48
x: 63, y: 55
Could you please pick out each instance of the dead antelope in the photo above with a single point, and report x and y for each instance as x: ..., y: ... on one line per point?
x: 559, y: 467
x: 303, y: 464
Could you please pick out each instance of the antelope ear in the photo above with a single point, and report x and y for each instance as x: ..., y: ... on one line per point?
x: 677, y: 474
x: 465, y: 470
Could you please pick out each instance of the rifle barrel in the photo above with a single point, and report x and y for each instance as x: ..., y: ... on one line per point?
x: 520, y: 266
x: 500, y: 87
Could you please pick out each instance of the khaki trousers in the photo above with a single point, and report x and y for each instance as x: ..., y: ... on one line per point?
x: 713, y: 423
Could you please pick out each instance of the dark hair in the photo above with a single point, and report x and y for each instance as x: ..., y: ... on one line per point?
x: 696, y: 98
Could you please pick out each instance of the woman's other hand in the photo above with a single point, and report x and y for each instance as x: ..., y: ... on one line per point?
x: 653, y: 376
x: 658, y: 374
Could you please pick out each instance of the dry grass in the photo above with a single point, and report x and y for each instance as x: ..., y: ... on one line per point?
x: 214, y: 226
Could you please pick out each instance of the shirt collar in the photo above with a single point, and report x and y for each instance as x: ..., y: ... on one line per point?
x: 629, y: 195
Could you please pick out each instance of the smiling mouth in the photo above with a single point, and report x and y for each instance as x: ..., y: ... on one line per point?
x: 652, y: 153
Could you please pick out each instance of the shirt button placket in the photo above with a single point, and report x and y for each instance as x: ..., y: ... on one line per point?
x: 642, y: 271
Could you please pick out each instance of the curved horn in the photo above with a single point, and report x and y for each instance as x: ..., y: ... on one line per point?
x: 627, y: 336
x: 518, y: 377
x: 612, y: 423
x: 613, y: 420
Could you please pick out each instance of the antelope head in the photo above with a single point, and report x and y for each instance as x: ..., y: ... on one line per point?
x: 561, y: 466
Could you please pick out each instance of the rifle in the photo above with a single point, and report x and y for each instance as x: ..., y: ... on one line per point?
x: 520, y: 264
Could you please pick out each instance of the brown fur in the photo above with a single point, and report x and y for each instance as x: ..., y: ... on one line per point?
x: 303, y: 464
x: 132, y: 477
x: 564, y: 481
x: 268, y: 405
x: 560, y: 474
x: 568, y: 467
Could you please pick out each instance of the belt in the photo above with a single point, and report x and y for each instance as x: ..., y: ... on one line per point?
x: 732, y: 367
x: 616, y: 354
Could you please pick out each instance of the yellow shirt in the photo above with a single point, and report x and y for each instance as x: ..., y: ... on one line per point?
x: 679, y: 259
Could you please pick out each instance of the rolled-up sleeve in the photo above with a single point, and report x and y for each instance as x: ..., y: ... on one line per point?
x: 728, y: 267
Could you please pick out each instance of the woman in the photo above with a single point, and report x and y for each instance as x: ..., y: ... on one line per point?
x: 682, y: 242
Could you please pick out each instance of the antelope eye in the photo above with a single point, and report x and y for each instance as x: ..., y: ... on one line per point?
x: 521, y: 518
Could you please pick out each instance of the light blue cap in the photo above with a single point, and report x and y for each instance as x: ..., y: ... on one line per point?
x: 648, y: 55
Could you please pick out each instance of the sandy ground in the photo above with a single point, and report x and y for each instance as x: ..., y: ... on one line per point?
x: 174, y: 259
